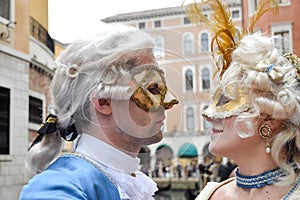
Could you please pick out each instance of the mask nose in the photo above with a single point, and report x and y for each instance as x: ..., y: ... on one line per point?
x: 167, y: 107
x: 169, y: 101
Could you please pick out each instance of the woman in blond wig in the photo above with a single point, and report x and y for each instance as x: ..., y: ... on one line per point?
x: 255, y: 117
x: 255, y: 109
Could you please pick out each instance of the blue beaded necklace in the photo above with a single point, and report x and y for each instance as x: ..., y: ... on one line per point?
x: 260, y: 180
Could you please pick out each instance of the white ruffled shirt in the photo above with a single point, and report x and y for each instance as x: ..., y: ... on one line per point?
x: 119, y: 166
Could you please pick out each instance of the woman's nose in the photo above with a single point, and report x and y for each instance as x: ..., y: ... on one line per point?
x: 209, y: 119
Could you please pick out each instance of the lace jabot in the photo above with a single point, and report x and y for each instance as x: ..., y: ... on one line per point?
x: 122, y: 168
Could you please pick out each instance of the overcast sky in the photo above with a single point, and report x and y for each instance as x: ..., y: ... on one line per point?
x: 71, y: 19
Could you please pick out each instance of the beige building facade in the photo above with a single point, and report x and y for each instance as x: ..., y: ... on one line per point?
x: 26, y: 69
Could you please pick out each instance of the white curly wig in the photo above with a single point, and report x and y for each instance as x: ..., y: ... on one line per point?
x: 274, y: 91
x: 99, y: 65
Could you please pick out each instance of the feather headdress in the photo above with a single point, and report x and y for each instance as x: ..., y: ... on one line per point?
x: 227, y: 36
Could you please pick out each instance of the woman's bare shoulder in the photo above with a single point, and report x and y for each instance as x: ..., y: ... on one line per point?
x: 225, y: 190
x: 214, y: 190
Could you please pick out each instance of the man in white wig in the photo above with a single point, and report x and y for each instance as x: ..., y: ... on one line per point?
x: 109, y: 96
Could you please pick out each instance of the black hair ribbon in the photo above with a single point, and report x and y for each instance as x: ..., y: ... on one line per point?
x: 49, y: 127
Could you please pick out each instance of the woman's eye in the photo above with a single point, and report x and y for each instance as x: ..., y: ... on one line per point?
x: 153, y: 89
x: 223, y: 100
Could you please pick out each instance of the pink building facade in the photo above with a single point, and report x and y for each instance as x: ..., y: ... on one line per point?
x: 183, y: 51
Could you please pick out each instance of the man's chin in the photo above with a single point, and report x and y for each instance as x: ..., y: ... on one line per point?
x: 150, y: 140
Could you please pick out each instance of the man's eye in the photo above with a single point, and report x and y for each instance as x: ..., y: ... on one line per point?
x: 223, y: 100
x: 153, y: 89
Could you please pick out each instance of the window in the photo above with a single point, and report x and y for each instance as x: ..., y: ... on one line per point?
x: 157, y: 23
x: 189, y: 80
x: 283, y: 38
x: 142, y: 25
x: 190, y: 119
x: 159, y: 47
x: 204, y: 42
x: 252, y: 6
x: 255, y: 5
x: 284, y: 1
x: 205, y: 79
x: 4, y: 120
x: 35, y: 110
x: 188, y: 44
x: 5, y: 9
x: 186, y: 20
x: 235, y: 14
x: 282, y: 42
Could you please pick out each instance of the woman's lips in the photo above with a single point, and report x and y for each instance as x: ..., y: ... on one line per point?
x: 216, y: 131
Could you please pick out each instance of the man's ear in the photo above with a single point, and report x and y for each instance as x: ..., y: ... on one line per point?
x: 102, y: 105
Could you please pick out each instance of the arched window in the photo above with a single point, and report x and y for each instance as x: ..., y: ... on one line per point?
x: 205, y: 79
x: 190, y: 119
x: 204, y: 42
x: 188, y: 44
x: 159, y: 47
x: 189, y: 80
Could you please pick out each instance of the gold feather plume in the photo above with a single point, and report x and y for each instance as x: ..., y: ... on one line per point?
x: 225, y: 32
x: 263, y: 7
x: 227, y: 36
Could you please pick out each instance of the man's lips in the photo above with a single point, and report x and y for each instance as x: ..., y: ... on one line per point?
x: 161, y: 120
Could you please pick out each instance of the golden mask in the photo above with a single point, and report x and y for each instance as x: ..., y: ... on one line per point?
x: 222, y: 107
x: 150, y: 89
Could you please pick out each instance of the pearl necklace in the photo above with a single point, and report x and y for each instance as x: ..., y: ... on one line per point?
x: 293, y: 189
x: 260, y: 180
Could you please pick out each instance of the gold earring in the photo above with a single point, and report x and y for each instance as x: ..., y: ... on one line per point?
x: 265, y: 132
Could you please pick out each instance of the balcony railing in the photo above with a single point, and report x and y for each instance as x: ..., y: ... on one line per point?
x: 41, y: 34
